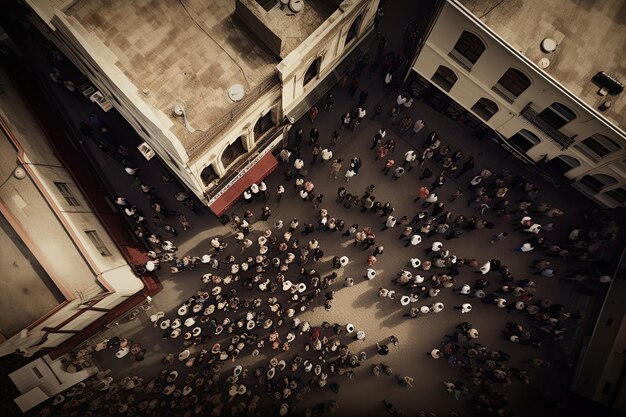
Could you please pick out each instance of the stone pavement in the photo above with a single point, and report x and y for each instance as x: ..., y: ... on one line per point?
x: 360, y: 304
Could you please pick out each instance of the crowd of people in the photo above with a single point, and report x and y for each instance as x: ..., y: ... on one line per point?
x: 236, y: 346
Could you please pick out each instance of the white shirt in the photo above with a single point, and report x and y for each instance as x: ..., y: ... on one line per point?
x: 262, y: 186
x: 410, y: 156
x: 391, y: 221
x: 437, y: 307
x: 382, y: 132
x: 437, y: 246
x: 254, y: 188
x: 298, y: 163
x: 371, y: 273
x: 432, y: 198
x: 280, y: 189
x: 400, y: 100
x: 485, y: 268
x: 362, y: 112
x: 416, y: 240
x: 415, y: 262
x: 388, y: 78
x: 326, y: 154
x: 466, y: 308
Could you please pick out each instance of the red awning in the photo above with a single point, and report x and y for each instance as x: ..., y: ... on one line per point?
x: 256, y: 174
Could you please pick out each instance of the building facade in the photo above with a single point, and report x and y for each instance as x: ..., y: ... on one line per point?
x: 541, y: 91
x: 210, y: 86
x: 78, y: 273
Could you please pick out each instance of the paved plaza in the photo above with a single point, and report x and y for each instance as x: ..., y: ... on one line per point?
x: 353, y: 390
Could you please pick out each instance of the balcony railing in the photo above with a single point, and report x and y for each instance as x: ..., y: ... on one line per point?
x: 553, y: 134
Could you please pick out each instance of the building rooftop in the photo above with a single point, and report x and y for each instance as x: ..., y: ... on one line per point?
x: 193, y: 51
x: 590, y: 37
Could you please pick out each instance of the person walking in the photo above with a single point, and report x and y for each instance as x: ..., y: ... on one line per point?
x: 329, y: 102
x: 313, y: 112
x: 390, y: 222
x: 423, y: 192
x: 409, y: 157
x: 397, y: 173
x: 381, y: 152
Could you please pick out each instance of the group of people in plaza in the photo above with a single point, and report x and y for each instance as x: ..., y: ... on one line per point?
x: 237, y: 346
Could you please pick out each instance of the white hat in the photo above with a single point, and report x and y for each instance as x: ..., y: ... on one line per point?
x: 206, y: 259
x: 287, y: 285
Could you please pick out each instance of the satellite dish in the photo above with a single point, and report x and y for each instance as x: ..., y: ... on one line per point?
x: 236, y: 92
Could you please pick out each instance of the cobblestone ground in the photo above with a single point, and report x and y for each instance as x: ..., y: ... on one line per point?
x: 379, y: 318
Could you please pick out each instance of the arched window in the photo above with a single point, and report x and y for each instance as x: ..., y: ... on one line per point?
x: 354, y: 29
x: 618, y: 194
x: 313, y: 70
x: 263, y: 125
x: 485, y: 108
x: 598, y: 146
x: 557, y: 115
x: 444, y: 77
x: 208, y: 174
x: 511, y: 84
x: 597, y: 182
x: 563, y: 163
x: 232, y: 152
x: 467, y: 49
x: 524, y: 140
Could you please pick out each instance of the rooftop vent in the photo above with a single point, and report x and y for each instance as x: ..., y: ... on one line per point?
x: 236, y: 92
x: 548, y: 45
x: 609, y: 84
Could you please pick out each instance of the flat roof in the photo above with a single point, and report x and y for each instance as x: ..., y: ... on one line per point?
x: 590, y: 36
x: 192, y: 51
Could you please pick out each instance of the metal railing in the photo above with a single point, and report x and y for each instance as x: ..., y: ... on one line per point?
x: 553, y: 134
x: 226, y: 120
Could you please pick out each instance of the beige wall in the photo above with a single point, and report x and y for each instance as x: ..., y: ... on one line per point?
x: 492, y: 64
x: 52, y: 229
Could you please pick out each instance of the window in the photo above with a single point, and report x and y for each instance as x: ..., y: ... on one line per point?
x: 444, y: 77
x: 312, y: 71
x: 485, y: 108
x: 97, y: 242
x: 232, y: 152
x: 354, y: 29
x: 468, y: 49
x: 67, y: 194
x: 511, y: 84
x: 524, y: 140
x: 267, y: 4
x: 598, y: 146
x: 208, y: 175
x: 597, y: 182
x: 562, y: 163
x: 557, y: 115
x: 618, y: 194
x: 263, y: 125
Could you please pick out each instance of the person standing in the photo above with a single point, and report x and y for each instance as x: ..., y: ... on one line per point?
x: 280, y: 190
x: 335, y: 168
x: 329, y: 102
x: 313, y: 112
x: 417, y: 126
x: 388, y: 165
x: 314, y: 136
x: 363, y: 98
x: 381, y: 152
x: 409, y: 157
x: 467, y: 166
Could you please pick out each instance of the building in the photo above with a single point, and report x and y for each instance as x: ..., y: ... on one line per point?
x: 541, y: 78
x: 65, y: 275
x: 210, y: 86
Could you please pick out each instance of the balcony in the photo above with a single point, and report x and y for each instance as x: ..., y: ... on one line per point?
x: 550, y: 132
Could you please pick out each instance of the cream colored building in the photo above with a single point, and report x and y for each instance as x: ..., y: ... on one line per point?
x: 529, y: 71
x: 61, y: 269
x: 210, y: 85
x: 63, y: 276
